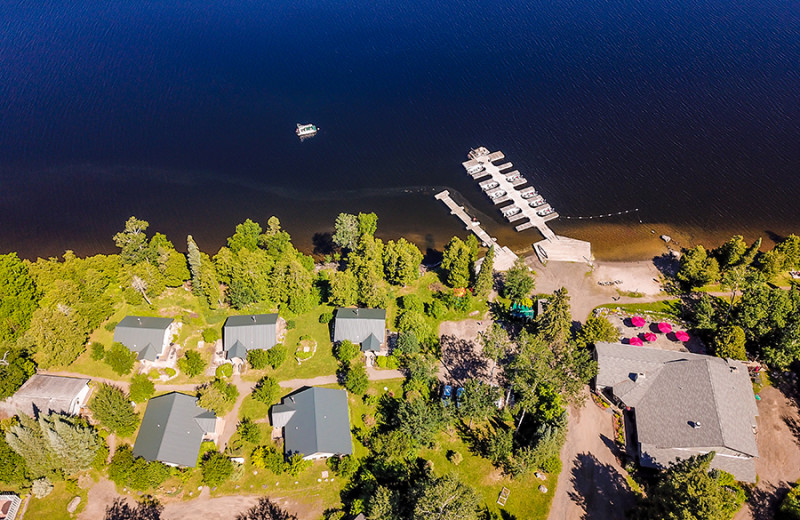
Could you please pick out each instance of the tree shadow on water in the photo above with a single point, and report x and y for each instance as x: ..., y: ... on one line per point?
x: 599, y: 489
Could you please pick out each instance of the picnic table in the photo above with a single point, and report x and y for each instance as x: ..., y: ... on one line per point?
x: 503, y: 496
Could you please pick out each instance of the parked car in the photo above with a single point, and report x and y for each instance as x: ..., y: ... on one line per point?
x: 459, y: 396
x: 447, y: 392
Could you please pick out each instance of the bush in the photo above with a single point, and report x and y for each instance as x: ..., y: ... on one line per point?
x: 192, y: 364
x: 790, y: 507
x: 210, y: 335
x: 435, y: 309
x: 248, y: 431
x: 553, y: 465
x: 454, y: 457
x: 276, y: 355
x: 325, y: 317
x: 136, y: 473
x: 98, y: 351
x: 356, y: 380
x: 345, y: 351
x: 170, y: 372
x: 258, y: 359
x: 225, y: 370
x: 389, y: 362
x: 295, y: 465
x: 120, y: 359
x: 216, y: 468
x: 267, y: 390
x: 112, y: 407
x: 407, y: 344
x: 141, y: 389
x: 290, y: 324
x: 411, y: 302
x: 41, y: 487
x: 345, y: 466
x: 217, y: 396
x: 110, y: 326
x: 267, y: 457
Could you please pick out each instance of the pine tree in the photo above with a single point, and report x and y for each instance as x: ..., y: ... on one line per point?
x: 485, y: 278
x: 195, y: 264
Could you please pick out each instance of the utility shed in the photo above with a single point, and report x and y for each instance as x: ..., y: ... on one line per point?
x: 253, y: 331
x: 44, y: 394
x: 172, y: 429
x: 315, y: 422
x: 683, y: 404
x: 146, y: 336
x: 357, y: 325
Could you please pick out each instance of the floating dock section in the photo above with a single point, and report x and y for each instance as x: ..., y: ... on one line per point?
x: 508, y: 189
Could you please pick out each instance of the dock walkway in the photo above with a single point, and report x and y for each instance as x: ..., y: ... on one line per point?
x: 504, y: 258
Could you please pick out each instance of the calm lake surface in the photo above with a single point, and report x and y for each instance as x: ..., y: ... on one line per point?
x: 183, y: 114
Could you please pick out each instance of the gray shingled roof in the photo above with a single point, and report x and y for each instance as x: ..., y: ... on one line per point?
x: 371, y: 344
x: 670, y: 391
x: 137, y: 332
x: 236, y: 351
x: 319, y: 422
x: 357, y: 324
x: 250, y: 331
x: 172, y: 429
x: 44, y: 393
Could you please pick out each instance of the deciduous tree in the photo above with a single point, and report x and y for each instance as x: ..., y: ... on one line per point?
x: 456, y: 263
x: 446, y: 498
x: 346, y: 231
x: 120, y: 358
x: 697, y: 268
x: 18, y: 297
x: 730, y: 343
x: 596, y: 329
x: 246, y: 236
x: 485, y: 279
x: 113, y: 408
x: 56, y: 336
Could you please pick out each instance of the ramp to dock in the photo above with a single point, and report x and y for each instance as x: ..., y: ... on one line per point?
x: 563, y: 249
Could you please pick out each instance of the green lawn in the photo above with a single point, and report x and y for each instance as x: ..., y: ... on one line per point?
x: 253, y: 409
x: 667, y: 308
x: 54, y: 505
x: 524, y: 502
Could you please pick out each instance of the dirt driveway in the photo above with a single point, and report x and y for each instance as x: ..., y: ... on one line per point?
x: 592, y: 484
x: 778, y: 464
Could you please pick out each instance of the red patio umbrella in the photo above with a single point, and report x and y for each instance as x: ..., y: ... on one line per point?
x: 637, y: 321
x: 664, y: 327
x: 682, y: 336
x: 650, y: 337
x: 636, y: 342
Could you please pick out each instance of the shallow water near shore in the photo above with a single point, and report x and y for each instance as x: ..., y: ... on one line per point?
x: 184, y: 116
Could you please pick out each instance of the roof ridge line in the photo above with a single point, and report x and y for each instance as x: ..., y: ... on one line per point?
x: 714, y: 392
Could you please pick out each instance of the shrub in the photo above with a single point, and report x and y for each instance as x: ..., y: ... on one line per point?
x: 268, y: 457
x: 435, y: 309
x: 276, y: 355
x: 790, y: 507
x: 290, y: 324
x: 258, y: 358
x: 407, y: 344
x: 136, y: 473
x: 142, y: 388
x: 248, y: 431
x: 295, y: 465
x: 216, y: 468
x: 389, y: 362
x: 552, y: 465
x: 113, y: 408
x: 217, y: 396
x: 356, y: 380
x: 345, y: 351
x: 345, y: 466
x: 411, y: 302
x: 267, y: 390
x: 170, y: 372
x: 210, y: 335
x: 110, y: 326
x: 325, y: 317
x: 41, y: 487
x: 120, y: 359
x: 98, y: 351
x: 225, y: 370
x: 454, y: 457
x: 192, y: 364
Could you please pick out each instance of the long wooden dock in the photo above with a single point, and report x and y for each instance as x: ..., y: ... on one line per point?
x: 504, y: 258
x: 508, y: 186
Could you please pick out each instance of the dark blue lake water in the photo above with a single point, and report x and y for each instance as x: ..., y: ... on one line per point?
x: 183, y: 114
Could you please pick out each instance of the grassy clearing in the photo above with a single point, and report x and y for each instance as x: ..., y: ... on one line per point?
x: 54, y: 505
x: 525, y: 500
x: 253, y: 409
x: 667, y: 308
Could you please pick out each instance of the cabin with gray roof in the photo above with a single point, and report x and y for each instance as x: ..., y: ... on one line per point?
x: 44, y: 394
x: 363, y: 327
x: 241, y: 334
x: 315, y: 422
x: 148, y: 337
x: 173, y: 428
x: 683, y: 404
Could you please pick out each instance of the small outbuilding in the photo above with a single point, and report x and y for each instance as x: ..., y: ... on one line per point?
x: 315, y: 423
x: 45, y: 394
x: 363, y: 327
x: 240, y: 334
x: 172, y: 430
x: 148, y: 337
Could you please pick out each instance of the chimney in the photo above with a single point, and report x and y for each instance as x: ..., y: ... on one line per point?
x: 696, y: 425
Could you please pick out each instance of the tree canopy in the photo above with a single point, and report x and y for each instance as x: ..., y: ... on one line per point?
x: 18, y: 297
